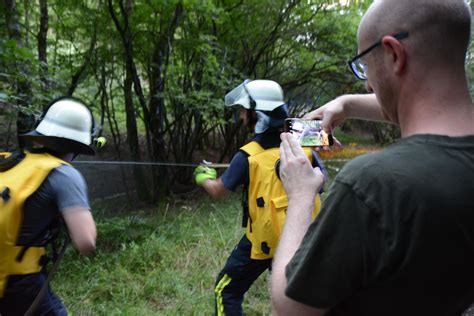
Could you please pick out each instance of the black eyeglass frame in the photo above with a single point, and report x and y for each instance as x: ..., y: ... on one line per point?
x: 351, y: 62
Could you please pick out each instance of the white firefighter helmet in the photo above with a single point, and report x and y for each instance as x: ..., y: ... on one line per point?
x: 66, y: 126
x: 259, y: 95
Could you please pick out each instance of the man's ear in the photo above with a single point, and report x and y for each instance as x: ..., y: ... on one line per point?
x: 395, y: 52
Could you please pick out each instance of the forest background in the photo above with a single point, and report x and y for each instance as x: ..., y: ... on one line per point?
x: 155, y: 72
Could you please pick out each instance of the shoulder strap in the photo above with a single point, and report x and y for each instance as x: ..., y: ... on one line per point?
x: 10, y: 160
x: 48, y: 162
x: 31, y: 310
x: 253, y: 148
x: 46, y: 159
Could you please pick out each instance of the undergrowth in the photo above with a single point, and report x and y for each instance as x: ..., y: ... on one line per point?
x: 161, y: 260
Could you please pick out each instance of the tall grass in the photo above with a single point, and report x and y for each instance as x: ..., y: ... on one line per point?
x: 160, y: 261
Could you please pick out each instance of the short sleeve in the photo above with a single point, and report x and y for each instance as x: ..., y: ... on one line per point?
x: 70, y: 188
x: 330, y: 263
x: 237, y: 173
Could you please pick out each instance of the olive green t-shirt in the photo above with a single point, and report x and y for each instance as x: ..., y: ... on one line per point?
x: 395, y: 235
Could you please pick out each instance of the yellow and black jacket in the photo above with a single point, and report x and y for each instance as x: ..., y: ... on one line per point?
x: 16, y: 185
x: 267, y: 200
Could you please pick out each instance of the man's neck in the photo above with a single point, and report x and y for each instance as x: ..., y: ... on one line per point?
x: 440, y: 122
x: 437, y: 107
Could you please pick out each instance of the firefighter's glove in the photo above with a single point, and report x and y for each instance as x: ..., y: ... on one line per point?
x: 100, y: 142
x: 202, y: 173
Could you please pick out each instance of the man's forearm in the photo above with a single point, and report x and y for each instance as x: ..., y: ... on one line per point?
x: 215, y: 188
x: 363, y: 106
x: 298, y: 220
x: 358, y: 106
x: 301, y: 183
x: 81, y: 228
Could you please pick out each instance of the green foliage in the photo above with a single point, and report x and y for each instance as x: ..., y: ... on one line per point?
x: 347, y: 138
x: 186, y: 55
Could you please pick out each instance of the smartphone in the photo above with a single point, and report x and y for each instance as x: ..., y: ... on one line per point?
x: 309, y: 133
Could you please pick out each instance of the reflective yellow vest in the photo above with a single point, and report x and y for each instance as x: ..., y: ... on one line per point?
x: 267, y: 200
x: 16, y: 185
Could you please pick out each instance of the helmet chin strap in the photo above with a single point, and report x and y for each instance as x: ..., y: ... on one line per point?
x: 69, y: 157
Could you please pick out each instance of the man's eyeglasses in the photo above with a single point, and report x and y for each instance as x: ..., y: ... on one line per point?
x: 358, y: 67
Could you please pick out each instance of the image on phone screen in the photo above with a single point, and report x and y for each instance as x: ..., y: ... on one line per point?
x: 309, y: 133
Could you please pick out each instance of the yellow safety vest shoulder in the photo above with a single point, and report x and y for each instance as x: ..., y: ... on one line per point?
x: 267, y: 200
x: 16, y: 185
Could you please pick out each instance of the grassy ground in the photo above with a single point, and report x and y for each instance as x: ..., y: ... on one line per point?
x: 162, y: 260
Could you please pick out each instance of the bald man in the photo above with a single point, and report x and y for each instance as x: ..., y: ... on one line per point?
x: 395, y: 235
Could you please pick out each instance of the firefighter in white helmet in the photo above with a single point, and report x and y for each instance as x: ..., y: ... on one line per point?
x: 255, y: 166
x: 40, y: 190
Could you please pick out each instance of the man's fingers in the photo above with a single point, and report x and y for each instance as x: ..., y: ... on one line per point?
x: 327, y: 123
x: 322, y: 114
x: 295, y: 146
x: 318, y: 171
x: 284, y: 148
x: 290, y: 149
x: 320, y: 174
x: 314, y: 115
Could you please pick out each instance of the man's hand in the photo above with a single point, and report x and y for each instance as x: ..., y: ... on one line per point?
x: 203, y: 173
x: 332, y: 113
x: 360, y: 106
x: 301, y: 183
x: 300, y: 180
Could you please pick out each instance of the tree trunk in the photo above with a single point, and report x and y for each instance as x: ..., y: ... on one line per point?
x: 132, y: 133
x: 131, y: 78
x: 42, y: 43
x: 157, y: 104
x: 24, y: 121
x: 127, y: 41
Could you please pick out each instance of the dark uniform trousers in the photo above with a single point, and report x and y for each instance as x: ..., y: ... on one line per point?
x: 238, y: 274
x: 21, y: 292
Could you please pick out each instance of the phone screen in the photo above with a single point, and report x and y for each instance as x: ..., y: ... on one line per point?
x: 309, y: 133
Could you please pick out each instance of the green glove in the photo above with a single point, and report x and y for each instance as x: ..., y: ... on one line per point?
x: 202, y: 173
x: 100, y: 142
